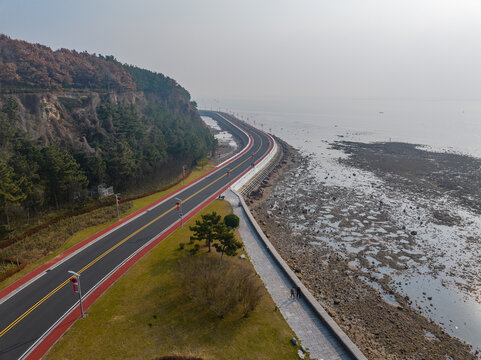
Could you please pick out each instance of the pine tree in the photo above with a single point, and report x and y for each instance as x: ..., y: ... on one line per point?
x: 227, y: 243
x: 205, y: 228
x: 65, y: 178
x: 10, y: 192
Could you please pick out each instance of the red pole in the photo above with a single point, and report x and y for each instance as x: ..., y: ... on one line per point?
x: 74, y: 282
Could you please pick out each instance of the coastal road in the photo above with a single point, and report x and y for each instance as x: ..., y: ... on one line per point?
x: 35, y: 311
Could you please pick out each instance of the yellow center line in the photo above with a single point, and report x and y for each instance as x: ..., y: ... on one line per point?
x: 20, y: 318
x: 46, y: 297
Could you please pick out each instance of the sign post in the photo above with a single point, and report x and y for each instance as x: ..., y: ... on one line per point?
x: 75, y: 280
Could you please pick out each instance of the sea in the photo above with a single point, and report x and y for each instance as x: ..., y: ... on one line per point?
x: 312, y: 124
x: 445, y: 125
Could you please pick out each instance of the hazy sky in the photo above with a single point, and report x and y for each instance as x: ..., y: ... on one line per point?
x: 266, y: 48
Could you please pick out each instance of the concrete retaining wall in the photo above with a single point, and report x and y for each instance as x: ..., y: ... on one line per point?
x: 318, y: 309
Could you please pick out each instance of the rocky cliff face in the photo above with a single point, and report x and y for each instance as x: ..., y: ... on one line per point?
x: 68, y: 118
x: 71, y: 118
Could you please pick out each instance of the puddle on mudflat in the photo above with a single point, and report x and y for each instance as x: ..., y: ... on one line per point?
x: 390, y: 299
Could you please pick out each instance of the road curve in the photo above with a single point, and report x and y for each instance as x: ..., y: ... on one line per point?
x: 35, y: 311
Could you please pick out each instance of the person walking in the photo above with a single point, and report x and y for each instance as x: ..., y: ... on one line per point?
x: 298, y: 292
x: 293, y: 293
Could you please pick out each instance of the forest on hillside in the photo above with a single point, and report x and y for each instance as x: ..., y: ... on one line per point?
x: 124, y: 141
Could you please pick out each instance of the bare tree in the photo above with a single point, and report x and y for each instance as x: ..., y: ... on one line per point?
x: 220, y: 286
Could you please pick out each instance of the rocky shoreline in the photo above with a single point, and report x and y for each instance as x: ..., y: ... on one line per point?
x: 328, y: 234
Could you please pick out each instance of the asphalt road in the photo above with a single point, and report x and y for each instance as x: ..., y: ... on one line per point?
x: 27, y: 315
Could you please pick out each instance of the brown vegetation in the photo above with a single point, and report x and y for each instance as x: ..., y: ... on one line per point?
x: 24, y: 65
x: 10, y: 266
x: 220, y: 286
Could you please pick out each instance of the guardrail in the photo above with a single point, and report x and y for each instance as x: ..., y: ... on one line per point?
x: 254, y: 178
x: 258, y: 178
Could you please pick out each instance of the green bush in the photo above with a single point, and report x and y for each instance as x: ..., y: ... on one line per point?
x: 231, y: 221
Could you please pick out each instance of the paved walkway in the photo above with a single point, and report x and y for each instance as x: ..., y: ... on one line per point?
x: 312, y: 333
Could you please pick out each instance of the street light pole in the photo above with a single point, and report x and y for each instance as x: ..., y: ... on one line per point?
x: 75, y: 280
x: 179, y: 210
x: 184, y: 169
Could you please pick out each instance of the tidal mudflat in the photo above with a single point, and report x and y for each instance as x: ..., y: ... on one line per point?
x: 226, y: 144
x: 389, y: 243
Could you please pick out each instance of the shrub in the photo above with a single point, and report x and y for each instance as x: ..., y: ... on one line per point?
x: 10, y: 266
x: 207, y: 282
x: 249, y: 288
x: 195, y: 249
x: 231, y: 220
x: 220, y: 286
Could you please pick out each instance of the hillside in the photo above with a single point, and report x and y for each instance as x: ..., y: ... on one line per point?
x: 34, y: 66
x: 70, y: 121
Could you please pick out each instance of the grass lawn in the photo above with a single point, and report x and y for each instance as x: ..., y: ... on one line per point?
x: 85, y: 221
x: 145, y: 314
